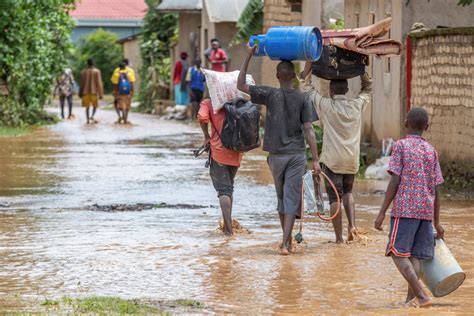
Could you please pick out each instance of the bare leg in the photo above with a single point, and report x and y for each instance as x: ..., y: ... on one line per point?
x: 118, y: 111
x: 125, y: 116
x: 282, y: 220
x: 407, y: 270
x: 69, y: 103
x: 87, y: 115
x: 348, y: 201
x: 61, y: 103
x: 225, y: 202
x: 417, y: 266
x: 289, y: 222
x: 94, y: 109
x: 337, y: 223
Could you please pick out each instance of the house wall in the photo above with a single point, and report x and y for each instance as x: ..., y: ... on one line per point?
x: 276, y: 13
x: 382, y: 117
x: 225, y: 31
x: 443, y: 83
x: 131, y: 50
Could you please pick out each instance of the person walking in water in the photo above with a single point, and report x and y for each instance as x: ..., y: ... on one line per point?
x: 124, y: 82
x: 65, y: 89
x: 91, y: 89
x: 414, y: 189
x: 115, y: 80
x: 341, y: 120
x: 289, y: 118
x: 224, y: 162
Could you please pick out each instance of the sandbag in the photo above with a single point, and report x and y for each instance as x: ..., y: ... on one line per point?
x: 222, y: 87
x: 339, y: 63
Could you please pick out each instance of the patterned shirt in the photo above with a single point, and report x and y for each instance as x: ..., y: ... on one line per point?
x: 416, y: 162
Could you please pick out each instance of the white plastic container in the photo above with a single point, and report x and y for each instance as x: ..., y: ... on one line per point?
x: 442, y: 275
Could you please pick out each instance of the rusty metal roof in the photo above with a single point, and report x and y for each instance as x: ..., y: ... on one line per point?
x: 180, y: 5
x: 225, y: 11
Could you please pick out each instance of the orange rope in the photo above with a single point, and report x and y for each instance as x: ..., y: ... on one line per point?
x: 338, y: 201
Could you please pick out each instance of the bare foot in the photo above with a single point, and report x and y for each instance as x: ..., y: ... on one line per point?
x: 284, y: 251
x: 417, y: 303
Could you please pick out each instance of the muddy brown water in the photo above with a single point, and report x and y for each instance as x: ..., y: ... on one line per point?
x: 54, y: 244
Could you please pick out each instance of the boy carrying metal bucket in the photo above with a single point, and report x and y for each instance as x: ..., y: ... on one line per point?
x: 413, y: 188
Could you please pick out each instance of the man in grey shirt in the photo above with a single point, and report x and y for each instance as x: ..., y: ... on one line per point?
x: 289, y: 118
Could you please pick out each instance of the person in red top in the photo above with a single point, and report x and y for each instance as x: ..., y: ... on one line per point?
x: 218, y: 56
x: 413, y: 188
x: 224, y: 162
x: 179, y: 80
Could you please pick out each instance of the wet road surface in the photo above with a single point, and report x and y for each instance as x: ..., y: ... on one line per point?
x: 54, y: 244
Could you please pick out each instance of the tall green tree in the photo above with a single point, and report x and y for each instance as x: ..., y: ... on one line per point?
x: 103, y: 48
x: 250, y: 21
x: 160, y: 33
x: 34, y: 43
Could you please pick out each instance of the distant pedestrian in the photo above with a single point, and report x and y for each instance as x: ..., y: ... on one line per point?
x: 124, y: 89
x: 179, y: 80
x: 91, y: 89
x: 115, y: 78
x: 217, y: 56
x: 196, y: 79
x: 414, y: 190
x: 65, y: 89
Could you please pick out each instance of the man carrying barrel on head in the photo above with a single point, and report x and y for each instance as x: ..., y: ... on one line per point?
x: 289, y: 119
x: 341, y: 119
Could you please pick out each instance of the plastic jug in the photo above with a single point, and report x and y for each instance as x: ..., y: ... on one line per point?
x: 289, y: 43
x: 442, y: 275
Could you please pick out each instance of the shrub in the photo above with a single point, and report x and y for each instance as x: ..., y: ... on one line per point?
x: 34, y: 43
x: 103, y: 48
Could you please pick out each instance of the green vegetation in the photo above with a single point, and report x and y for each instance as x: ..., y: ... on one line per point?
x: 160, y: 32
x: 338, y: 25
x: 103, y: 48
x: 13, y: 131
x: 250, y: 22
x: 34, y: 43
x: 105, y: 305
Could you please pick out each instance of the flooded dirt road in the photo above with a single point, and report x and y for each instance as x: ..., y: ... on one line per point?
x: 56, y: 241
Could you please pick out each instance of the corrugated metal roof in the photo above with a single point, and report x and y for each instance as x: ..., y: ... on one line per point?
x: 180, y: 5
x: 225, y: 11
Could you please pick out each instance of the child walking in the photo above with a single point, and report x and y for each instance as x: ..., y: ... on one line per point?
x: 416, y: 175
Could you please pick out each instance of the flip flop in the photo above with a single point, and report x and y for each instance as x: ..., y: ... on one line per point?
x: 416, y: 303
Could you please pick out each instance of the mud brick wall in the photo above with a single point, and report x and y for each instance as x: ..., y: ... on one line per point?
x: 443, y: 83
x: 276, y: 13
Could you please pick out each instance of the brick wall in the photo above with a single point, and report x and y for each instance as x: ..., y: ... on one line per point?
x: 276, y: 13
x: 443, y: 83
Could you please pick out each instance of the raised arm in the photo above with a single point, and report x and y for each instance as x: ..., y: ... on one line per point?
x: 241, y: 84
x: 366, y: 87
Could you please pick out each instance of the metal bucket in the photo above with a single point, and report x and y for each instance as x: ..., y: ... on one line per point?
x: 289, y: 43
x: 442, y: 275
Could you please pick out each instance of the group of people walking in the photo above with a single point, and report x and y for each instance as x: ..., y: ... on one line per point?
x: 290, y: 113
x: 189, y: 82
x: 91, y: 90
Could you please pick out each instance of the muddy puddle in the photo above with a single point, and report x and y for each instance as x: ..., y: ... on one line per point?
x: 69, y: 226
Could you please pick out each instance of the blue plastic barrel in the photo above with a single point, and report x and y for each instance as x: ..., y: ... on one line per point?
x: 289, y: 43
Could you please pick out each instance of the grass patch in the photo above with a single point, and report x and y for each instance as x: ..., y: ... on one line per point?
x: 107, y: 305
x: 189, y: 303
x: 101, y: 305
x: 14, y: 131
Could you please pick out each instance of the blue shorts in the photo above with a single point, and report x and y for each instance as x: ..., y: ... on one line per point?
x: 411, y: 237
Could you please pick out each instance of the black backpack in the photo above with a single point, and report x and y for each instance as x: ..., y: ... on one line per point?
x: 240, y: 131
x: 339, y: 63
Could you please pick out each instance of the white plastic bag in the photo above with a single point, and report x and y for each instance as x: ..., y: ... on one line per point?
x: 222, y: 87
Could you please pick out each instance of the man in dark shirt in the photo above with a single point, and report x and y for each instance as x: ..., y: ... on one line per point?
x: 290, y: 114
